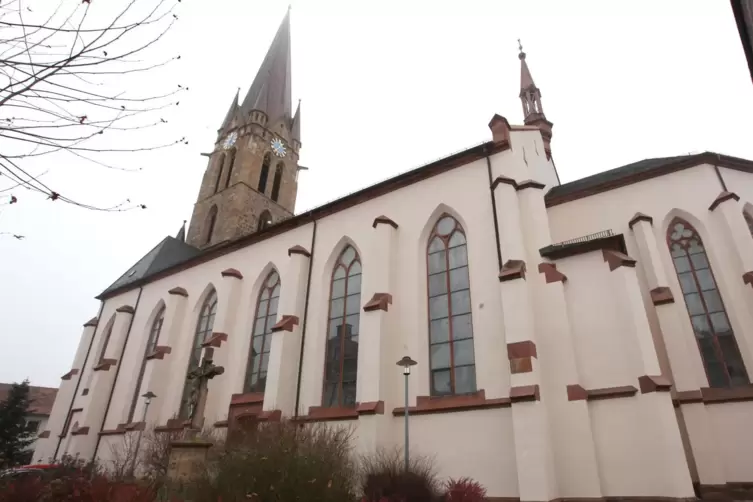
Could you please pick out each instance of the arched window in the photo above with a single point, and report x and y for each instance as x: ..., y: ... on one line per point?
x: 265, y: 220
x: 211, y: 220
x: 713, y: 333
x: 221, y: 164
x: 265, y: 318
x: 341, y: 364
x: 230, y: 165
x: 452, y: 361
x: 277, y: 181
x: 749, y: 221
x: 151, y: 343
x: 105, y: 342
x: 264, y: 174
x: 203, y: 332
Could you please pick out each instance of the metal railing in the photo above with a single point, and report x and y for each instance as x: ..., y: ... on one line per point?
x: 598, y: 235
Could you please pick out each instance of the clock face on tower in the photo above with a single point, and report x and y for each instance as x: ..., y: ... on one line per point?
x: 278, y: 147
x: 230, y: 140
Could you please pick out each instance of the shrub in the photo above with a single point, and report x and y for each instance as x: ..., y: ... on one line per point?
x: 464, y: 490
x: 384, y: 478
x: 283, y: 462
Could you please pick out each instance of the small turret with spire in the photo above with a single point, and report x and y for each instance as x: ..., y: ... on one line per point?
x: 530, y: 97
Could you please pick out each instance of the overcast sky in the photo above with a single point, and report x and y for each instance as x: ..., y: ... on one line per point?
x: 385, y: 86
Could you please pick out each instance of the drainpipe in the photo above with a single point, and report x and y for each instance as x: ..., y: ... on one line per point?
x: 305, y: 323
x: 78, y: 383
x: 117, y: 372
x: 494, y: 209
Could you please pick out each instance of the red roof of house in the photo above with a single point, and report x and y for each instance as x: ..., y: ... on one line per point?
x: 42, y: 398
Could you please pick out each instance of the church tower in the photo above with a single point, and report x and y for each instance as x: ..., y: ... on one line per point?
x: 251, y: 177
x: 530, y: 96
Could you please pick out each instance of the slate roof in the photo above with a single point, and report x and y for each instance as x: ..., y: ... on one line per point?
x: 167, y: 253
x: 42, y: 398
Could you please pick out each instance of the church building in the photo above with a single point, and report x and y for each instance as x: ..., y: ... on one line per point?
x: 586, y: 340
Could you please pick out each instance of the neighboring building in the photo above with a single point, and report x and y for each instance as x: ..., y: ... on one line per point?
x: 592, y: 339
x: 42, y: 399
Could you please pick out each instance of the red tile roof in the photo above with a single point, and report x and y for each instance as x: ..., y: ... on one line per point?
x: 42, y: 398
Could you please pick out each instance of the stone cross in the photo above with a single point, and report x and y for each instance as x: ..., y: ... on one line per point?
x: 200, y: 377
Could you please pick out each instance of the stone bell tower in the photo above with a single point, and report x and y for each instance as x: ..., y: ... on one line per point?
x: 251, y: 178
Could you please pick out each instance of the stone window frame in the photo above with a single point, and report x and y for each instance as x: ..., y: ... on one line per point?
x: 211, y: 223
x: 230, y: 165
x: 443, y: 240
x: 270, y: 291
x: 277, y: 181
x: 154, y: 331
x: 202, y: 333
x: 338, y: 400
x: 749, y: 220
x: 261, y: 187
x: 105, y: 342
x: 219, y: 174
x: 692, y: 285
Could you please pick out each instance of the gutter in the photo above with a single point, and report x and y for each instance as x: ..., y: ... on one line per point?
x: 494, y: 212
x: 78, y: 383
x: 117, y: 372
x: 305, y: 323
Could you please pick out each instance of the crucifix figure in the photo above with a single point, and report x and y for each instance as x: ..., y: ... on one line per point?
x: 200, y: 377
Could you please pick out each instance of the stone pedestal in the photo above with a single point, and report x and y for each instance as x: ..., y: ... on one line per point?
x: 187, y: 459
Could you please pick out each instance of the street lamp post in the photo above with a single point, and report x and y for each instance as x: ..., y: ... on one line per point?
x: 147, y: 401
x: 406, y: 362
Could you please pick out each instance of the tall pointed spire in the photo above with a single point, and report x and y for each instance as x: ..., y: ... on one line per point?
x: 273, y: 78
x: 296, y: 127
x: 231, y: 111
x: 530, y: 97
x: 181, y: 236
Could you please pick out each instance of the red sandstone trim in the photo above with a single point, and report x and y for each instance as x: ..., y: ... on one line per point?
x: 159, y: 352
x: 247, y: 398
x: 742, y: 393
x: 270, y: 416
x: 529, y: 184
x: 638, y: 218
x: 215, y: 340
x: 81, y: 431
x: 91, y: 322
x: 748, y: 278
x: 500, y: 128
x: 512, y: 269
x: 220, y: 423
x: 43, y: 435
x: 125, y: 309
x: 504, y: 180
x: 178, y: 291
x: 526, y: 348
x: 615, y: 259
x: 551, y: 274
x: 559, y: 251
x: 449, y: 404
x: 370, y: 408
x: 662, y: 296
x: 521, y: 365
x: 687, y: 397
x: 658, y: 383
x: 322, y: 414
x: 380, y: 301
x: 576, y: 393
x: 611, y: 392
x: 105, y: 364
x: 384, y: 220
x: 524, y: 393
x: 286, y: 323
x: 68, y: 375
x: 722, y: 197
x: 299, y: 250
x: 231, y: 272
x: 112, y: 432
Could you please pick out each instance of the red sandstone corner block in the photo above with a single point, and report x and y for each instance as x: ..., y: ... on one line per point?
x: 44, y: 434
x: 576, y: 393
x: 299, y: 250
x: 270, y: 416
x: 551, y: 274
x: 722, y: 197
x: 526, y: 348
x: 615, y: 259
x: 68, y: 375
x: 215, y: 340
x: 322, y: 414
x: 178, y: 291
x: 287, y: 323
x: 500, y: 128
x: 247, y: 398
x: 524, y: 393
x: 612, y: 392
x: 125, y: 309
x: 505, y: 181
x: 105, y: 364
x: 370, y: 408
x: 529, y: 184
x: 638, y: 218
x: 662, y: 295
x: 380, y: 301
x: 748, y: 278
x: 521, y: 365
x: 81, y: 431
x: 649, y: 383
x: 91, y: 322
x: 159, y: 352
x: 231, y: 272
x: 512, y: 269
x: 384, y: 220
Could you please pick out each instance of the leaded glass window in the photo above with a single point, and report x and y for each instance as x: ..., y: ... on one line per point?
x: 203, y: 332
x: 261, y: 340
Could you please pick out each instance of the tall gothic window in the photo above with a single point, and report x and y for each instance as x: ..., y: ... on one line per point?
x: 211, y: 220
x: 203, y: 332
x: 105, y: 342
x: 230, y: 166
x: 264, y: 173
x: 151, y: 343
x: 452, y: 362
x: 261, y: 341
x: 713, y: 333
x: 276, y: 182
x: 265, y: 220
x: 749, y: 221
x: 341, y: 365
x: 219, y: 172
